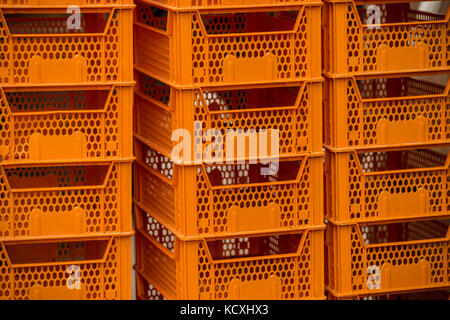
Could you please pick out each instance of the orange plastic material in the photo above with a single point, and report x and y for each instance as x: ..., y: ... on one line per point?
x: 421, y: 295
x: 82, y: 199
x: 198, y: 48
x: 146, y: 291
x: 232, y: 199
x: 220, y: 4
x: 63, y: 3
x: 272, y: 267
x: 392, y: 258
x: 38, y: 47
x: 295, y: 111
x: 401, y: 40
x: 362, y: 114
x: 70, y: 124
x: 387, y: 185
x: 86, y: 269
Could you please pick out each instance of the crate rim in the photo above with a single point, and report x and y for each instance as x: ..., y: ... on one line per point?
x: 182, y: 237
x: 388, y: 148
x: 80, y: 237
x: 66, y: 86
x: 63, y: 162
x: 339, y: 224
x: 335, y: 294
x: 358, y: 226
x: 375, y: 1
x: 302, y: 233
x: 91, y: 8
x: 191, y: 163
x: 71, y: 85
x: 57, y: 239
x: 236, y: 8
x: 384, y: 74
x: 444, y: 94
x: 445, y: 166
x: 230, y: 87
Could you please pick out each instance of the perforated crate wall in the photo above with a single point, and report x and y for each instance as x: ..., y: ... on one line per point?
x: 40, y: 49
x: 383, y: 186
x: 145, y: 291
x: 402, y: 40
x: 369, y: 113
x: 392, y: 258
x: 66, y: 270
x: 217, y: 200
x: 275, y: 267
x: 57, y: 124
x: 234, y: 115
x: 65, y: 200
x: 196, y: 48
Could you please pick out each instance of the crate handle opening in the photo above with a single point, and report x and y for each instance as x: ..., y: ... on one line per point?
x: 56, y: 253
x: 89, y: 176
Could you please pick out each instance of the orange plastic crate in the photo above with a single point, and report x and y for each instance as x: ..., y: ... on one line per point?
x: 86, y: 269
x: 391, y: 112
x: 63, y: 123
x: 63, y: 3
x: 403, y: 40
x: 39, y: 49
x: 65, y: 200
x: 146, y: 291
x: 219, y: 200
x: 273, y: 267
x: 220, y: 4
x: 387, y: 185
x: 392, y: 258
x: 295, y: 111
x: 199, y: 48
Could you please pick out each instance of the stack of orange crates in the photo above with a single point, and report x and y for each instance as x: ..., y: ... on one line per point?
x: 241, y: 228
x: 66, y: 94
x: 387, y: 135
